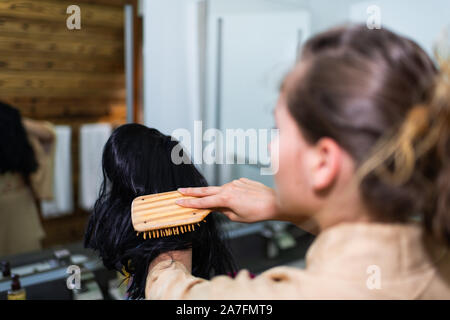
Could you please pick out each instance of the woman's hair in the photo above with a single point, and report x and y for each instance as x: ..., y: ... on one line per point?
x: 16, y: 153
x: 137, y: 161
x: 382, y: 99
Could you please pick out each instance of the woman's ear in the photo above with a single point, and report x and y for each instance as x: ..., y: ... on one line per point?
x: 326, y: 164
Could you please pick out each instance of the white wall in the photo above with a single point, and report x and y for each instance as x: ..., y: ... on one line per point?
x: 326, y: 13
x: 171, y: 87
x: 418, y: 19
x: 174, y: 94
x: 223, y: 8
x: 170, y: 55
x: 422, y: 21
x: 232, y: 90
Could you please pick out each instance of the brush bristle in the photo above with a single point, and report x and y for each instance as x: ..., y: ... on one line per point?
x: 169, y: 231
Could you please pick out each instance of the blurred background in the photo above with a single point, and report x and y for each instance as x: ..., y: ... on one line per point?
x: 165, y: 64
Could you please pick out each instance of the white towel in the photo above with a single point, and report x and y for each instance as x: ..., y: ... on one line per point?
x: 62, y: 203
x: 92, y: 140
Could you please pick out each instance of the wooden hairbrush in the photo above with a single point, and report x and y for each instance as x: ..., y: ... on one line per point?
x: 157, y: 215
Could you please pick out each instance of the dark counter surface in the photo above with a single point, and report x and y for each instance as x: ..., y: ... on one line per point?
x: 250, y: 253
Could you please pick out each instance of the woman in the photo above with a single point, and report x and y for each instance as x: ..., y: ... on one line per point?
x: 364, y: 153
x: 137, y: 161
x: 26, y: 175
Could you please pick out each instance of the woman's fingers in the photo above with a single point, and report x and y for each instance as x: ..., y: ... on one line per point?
x: 208, y: 202
x: 241, y: 200
x: 200, y: 191
x: 212, y: 201
x: 251, y: 182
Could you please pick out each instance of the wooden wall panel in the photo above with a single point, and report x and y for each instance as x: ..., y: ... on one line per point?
x: 68, y: 47
x: 69, y: 77
x: 67, y: 84
x: 61, y: 109
x: 33, y: 64
x: 92, y: 14
x: 37, y: 29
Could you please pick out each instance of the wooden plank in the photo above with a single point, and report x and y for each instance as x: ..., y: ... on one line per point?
x: 75, y: 48
x: 38, y: 30
x: 47, y: 84
x: 62, y: 92
x: 59, y: 80
x: 56, y: 56
x: 77, y: 122
x: 62, y: 76
x: 39, y: 102
x: 91, y: 14
x: 115, y: 3
x: 65, y: 112
x: 43, y: 63
x: 46, y: 108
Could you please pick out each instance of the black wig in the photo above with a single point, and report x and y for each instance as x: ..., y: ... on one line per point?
x: 16, y: 153
x: 136, y: 162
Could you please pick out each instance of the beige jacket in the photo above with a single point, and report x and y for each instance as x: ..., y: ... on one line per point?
x: 20, y: 227
x: 348, y: 261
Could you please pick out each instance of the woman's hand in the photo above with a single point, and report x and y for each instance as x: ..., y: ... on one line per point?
x: 241, y: 200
